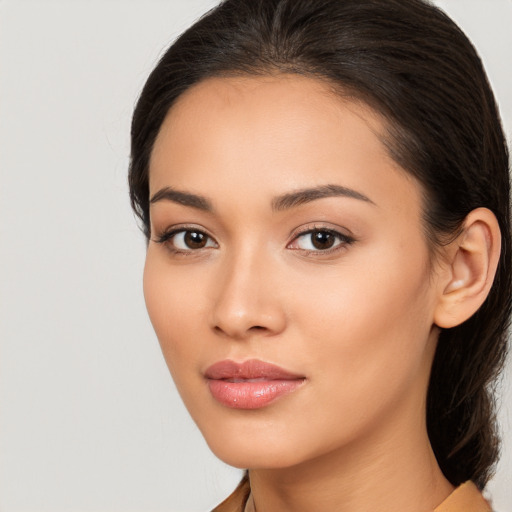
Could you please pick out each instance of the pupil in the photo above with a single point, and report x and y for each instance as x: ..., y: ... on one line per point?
x: 323, y: 240
x: 195, y: 240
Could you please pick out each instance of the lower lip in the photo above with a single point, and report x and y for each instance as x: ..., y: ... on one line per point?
x: 251, y: 394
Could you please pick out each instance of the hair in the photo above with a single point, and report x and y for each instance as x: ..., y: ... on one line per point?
x: 411, y: 63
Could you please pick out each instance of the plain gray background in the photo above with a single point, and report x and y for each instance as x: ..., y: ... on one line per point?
x: 89, y: 418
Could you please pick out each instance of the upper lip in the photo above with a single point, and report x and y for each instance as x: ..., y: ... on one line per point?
x: 250, y: 369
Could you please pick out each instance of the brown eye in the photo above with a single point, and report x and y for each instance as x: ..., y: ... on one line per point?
x: 195, y: 239
x: 187, y: 240
x: 322, y: 239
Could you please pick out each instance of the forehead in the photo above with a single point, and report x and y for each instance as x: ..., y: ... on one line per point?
x: 223, y: 92
x: 272, y: 134
x: 283, y: 109
x: 292, y: 98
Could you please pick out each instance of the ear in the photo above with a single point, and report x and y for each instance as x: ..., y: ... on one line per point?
x: 469, y: 268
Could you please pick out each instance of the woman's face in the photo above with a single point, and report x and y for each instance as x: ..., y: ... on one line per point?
x: 288, y: 277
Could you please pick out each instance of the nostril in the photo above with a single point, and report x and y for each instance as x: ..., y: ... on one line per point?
x: 241, y: 322
x: 218, y: 329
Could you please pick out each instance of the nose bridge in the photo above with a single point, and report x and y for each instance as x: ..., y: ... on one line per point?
x: 245, y: 301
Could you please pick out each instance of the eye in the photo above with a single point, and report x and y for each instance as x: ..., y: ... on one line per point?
x: 186, y: 240
x: 319, y: 239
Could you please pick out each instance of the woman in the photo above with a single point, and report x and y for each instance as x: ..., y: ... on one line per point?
x: 324, y: 189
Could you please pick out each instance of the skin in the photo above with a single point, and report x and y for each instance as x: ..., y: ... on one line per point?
x: 358, y: 321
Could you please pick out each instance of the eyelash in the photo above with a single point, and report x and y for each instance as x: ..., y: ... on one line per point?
x: 343, y: 240
x: 167, y: 237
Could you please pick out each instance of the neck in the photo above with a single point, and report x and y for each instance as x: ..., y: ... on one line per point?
x: 395, y: 470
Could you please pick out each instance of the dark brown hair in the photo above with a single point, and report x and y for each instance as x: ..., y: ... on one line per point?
x: 411, y: 63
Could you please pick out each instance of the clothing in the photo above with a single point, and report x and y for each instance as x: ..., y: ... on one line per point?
x: 466, y: 498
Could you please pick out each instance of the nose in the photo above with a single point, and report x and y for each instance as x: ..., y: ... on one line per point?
x: 246, y: 300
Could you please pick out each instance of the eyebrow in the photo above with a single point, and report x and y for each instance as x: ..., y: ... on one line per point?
x: 307, y: 195
x: 183, y: 198
x: 280, y: 203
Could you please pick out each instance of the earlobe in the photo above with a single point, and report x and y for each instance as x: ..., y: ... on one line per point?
x: 470, y: 268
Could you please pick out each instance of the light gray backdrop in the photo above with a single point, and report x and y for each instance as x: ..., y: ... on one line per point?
x: 89, y: 418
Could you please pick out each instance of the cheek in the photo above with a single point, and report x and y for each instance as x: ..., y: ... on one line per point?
x: 173, y: 309
x: 369, y: 323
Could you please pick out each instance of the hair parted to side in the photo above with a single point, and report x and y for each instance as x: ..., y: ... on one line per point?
x: 410, y: 62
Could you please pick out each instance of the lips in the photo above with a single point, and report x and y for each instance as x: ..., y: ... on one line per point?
x: 250, y: 385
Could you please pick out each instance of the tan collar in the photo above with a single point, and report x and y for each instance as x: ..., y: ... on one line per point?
x: 466, y: 498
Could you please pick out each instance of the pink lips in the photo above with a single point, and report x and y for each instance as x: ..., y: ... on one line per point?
x: 250, y: 385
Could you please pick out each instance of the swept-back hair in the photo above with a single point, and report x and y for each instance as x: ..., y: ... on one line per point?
x: 413, y: 65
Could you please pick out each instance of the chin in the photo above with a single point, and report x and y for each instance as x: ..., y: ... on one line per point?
x: 255, y: 457
x: 252, y: 450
